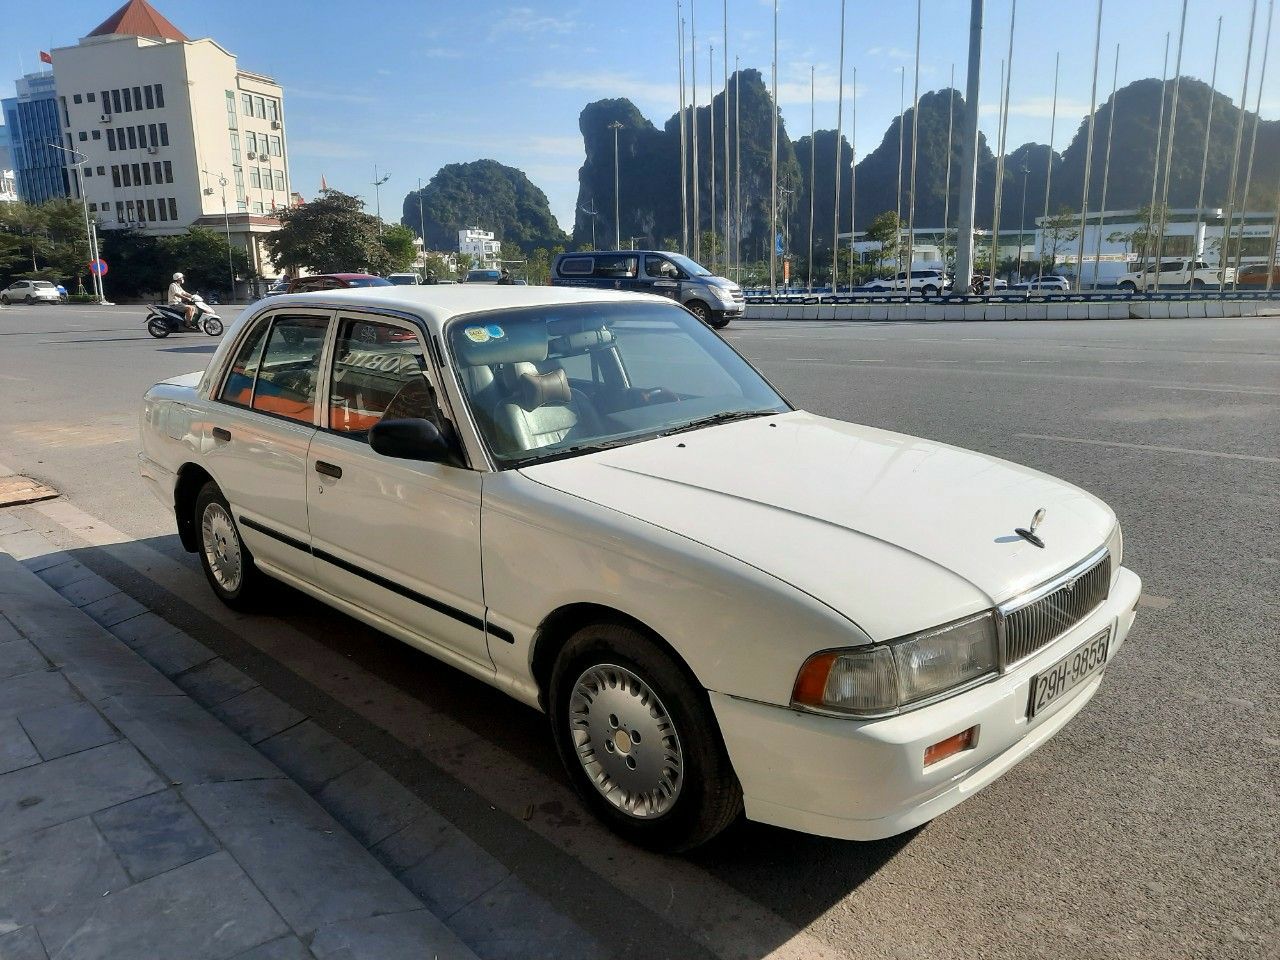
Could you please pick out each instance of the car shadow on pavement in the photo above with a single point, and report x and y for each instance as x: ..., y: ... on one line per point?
x: 203, y: 348
x: 343, y: 677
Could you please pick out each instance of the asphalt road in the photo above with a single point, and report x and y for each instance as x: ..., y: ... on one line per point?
x: 1148, y: 827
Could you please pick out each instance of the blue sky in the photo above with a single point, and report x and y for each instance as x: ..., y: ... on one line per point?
x: 411, y: 86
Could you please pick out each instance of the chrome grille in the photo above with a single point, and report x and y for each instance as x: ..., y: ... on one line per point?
x: 1027, y: 625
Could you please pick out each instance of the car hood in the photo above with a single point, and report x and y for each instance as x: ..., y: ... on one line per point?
x: 895, y: 532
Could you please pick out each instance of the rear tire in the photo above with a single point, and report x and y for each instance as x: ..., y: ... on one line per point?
x: 929, y: 291
x: 157, y: 328
x: 1197, y: 284
x: 639, y: 740
x: 30, y: 300
x: 228, y: 564
x: 1128, y: 286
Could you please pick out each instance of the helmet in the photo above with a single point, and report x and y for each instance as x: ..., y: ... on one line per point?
x: 178, y: 276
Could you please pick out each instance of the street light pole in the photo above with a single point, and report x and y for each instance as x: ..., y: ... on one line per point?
x: 617, y: 222
x: 84, y: 204
x: 1022, y: 219
x: 226, y: 223
x: 377, y: 191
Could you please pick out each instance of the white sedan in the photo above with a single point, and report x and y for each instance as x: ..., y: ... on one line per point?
x: 589, y: 500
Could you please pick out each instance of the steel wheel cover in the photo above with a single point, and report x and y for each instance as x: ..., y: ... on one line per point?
x: 626, y: 741
x: 221, y: 545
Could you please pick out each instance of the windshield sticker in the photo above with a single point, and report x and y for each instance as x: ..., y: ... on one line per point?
x: 495, y: 331
x: 477, y: 334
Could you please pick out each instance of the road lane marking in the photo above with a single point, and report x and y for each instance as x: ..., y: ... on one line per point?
x: 708, y: 911
x: 1037, y: 361
x: 1122, y: 361
x: 1150, y: 446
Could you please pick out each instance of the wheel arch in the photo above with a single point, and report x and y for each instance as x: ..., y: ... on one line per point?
x: 191, y: 478
x: 561, y: 624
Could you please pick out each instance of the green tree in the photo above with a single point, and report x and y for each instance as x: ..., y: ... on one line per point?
x: 886, y: 230
x: 330, y: 234
x: 437, y: 266
x: 202, y: 256
x: 1057, y: 234
x: 397, y: 240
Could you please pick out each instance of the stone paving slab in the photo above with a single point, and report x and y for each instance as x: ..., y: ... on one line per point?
x: 155, y: 833
x: 257, y: 714
x: 310, y: 754
x: 312, y: 870
x: 88, y: 590
x: 114, y: 608
x: 16, y: 748
x: 19, y: 656
x: 70, y: 728
x: 22, y: 944
x: 32, y: 691
x: 59, y: 575
x: 286, y: 948
x: 370, y: 802
x: 48, y: 793
x: 214, y: 682
x: 173, y: 654
x: 191, y: 903
x: 394, y: 936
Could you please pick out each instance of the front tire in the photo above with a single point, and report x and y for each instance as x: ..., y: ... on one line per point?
x: 1128, y: 286
x: 1197, y: 284
x: 29, y: 300
x: 228, y: 564
x: 639, y: 740
x: 699, y: 310
x: 929, y: 291
x: 212, y: 326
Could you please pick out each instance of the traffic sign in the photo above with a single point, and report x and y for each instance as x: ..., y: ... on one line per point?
x: 98, y: 266
x: 777, y: 243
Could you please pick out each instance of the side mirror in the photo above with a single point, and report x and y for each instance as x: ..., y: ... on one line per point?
x: 411, y: 439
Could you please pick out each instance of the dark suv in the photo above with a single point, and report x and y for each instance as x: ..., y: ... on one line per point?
x: 713, y: 300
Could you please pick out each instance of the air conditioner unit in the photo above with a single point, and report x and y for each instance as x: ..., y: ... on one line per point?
x: 275, y: 124
x: 208, y: 191
x: 251, y: 155
x: 153, y: 149
x: 104, y: 118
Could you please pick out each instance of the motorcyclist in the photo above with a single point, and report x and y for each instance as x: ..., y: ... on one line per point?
x: 180, y: 297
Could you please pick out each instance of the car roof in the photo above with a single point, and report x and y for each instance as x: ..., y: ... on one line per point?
x: 439, y: 303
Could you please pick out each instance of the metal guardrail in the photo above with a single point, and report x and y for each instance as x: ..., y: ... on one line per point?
x: 1177, y: 296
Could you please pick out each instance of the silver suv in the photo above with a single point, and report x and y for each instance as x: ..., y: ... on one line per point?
x: 713, y: 300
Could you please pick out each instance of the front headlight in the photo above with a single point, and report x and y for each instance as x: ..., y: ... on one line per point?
x: 1115, y: 547
x: 881, y: 680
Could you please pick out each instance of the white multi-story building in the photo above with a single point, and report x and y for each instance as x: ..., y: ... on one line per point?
x: 480, y: 246
x: 173, y: 132
x: 8, y: 187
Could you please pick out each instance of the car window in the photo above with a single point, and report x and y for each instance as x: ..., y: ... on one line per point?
x: 368, y: 282
x: 290, y: 367
x: 617, y: 267
x: 238, y: 387
x: 379, y: 372
x: 670, y: 372
x: 577, y: 266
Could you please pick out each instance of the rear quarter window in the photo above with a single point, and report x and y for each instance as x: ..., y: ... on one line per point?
x: 617, y: 267
x: 577, y: 266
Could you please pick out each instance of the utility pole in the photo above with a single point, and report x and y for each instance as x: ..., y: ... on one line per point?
x: 1088, y: 149
x: 1022, y: 219
x: 84, y: 204
x: 1173, y: 126
x: 617, y: 223
x: 969, y: 153
x: 737, y: 165
x: 422, y: 223
x: 835, y: 225
x: 1235, y: 157
x: 377, y: 191
x: 592, y: 214
x: 915, y: 130
x: 711, y: 132
x: 684, y: 149
x: 946, y: 192
x: 773, y: 190
x: 1048, y: 173
x: 724, y: 57
x: 813, y: 153
x: 696, y: 223
x: 1106, y: 171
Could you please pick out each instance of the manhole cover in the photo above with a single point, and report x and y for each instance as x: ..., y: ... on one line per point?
x: 15, y: 490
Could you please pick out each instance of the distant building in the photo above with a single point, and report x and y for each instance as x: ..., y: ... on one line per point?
x: 480, y: 246
x: 31, y: 121
x: 174, y: 132
x: 8, y: 186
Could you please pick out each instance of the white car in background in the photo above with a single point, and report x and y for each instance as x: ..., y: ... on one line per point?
x: 30, y: 291
x: 589, y: 500
x: 929, y: 283
x: 1175, y: 274
x: 1049, y: 281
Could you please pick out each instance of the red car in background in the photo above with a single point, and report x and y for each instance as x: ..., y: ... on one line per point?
x: 335, y: 281
x: 1256, y: 276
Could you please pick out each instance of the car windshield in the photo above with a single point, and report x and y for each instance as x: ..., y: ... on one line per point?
x: 554, y: 381
x: 368, y: 282
x: 691, y: 267
x: 479, y: 276
x: 402, y: 280
x: 44, y: 285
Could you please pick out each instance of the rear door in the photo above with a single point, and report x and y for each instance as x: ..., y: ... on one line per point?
x: 618, y: 271
x: 400, y: 538
x: 260, y: 428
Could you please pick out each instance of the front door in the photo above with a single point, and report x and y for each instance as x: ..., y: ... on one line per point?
x: 662, y: 276
x: 400, y: 538
x: 257, y: 435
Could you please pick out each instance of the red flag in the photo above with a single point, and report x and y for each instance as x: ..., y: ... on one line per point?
x: 45, y: 58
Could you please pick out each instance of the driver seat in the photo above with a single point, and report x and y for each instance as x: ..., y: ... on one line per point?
x: 538, y: 409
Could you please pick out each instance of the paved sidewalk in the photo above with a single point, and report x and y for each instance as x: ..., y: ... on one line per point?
x: 133, y: 823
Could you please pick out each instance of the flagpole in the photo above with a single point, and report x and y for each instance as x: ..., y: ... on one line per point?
x: 737, y: 163
x: 1004, y: 147
x: 1048, y: 174
x: 1208, y: 129
x: 1253, y: 140
x: 853, y: 173
x: 1088, y: 150
x: 695, y: 226
x: 711, y: 132
x: 990, y: 286
x: 1155, y: 155
x: 1235, y: 159
x: 684, y: 156
x: 946, y: 190
x: 813, y: 153
x: 835, y: 206
x: 1168, y: 150
x: 1106, y: 170
x: 773, y: 189
x: 915, y: 130
x: 724, y: 56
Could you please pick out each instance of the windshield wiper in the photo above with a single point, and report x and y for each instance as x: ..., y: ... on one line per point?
x: 577, y: 449
x: 725, y: 416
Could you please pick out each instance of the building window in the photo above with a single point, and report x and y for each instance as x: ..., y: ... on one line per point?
x: 231, y: 110
x: 102, y: 171
x: 66, y: 117
x: 260, y: 108
x: 173, y: 209
x: 151, y: 102
x: 258, y: 208
x: 164, y: 134
x: 251, y: 141
x: 124, y: 174
x: 160, y: 96
x: 273, y: 110
x: 115, y: 175
x: 235, y: 149
x: 120, y: 211
x: 266, y: 178
x: 128, y: 100
x: 132, y: 133
x: 151, y: 209
x: 90, y: 97
x: 97, y: 134
x: 111, y: 139
x: 146, y: 174
x: 279, y: 175
x: 164, y: 214
x: 137, y: 97
x: 106, y: 101
x: 158, y: 171
x: 93, y: 208
x: 83, y: 136
x: 76, y: 98
x: 254, y: 180
x: 142, y: 135
x: 115, y: 101
x: 246, y: 104
x: 276, y: 146
x: 88, y: 171
x: 137, y: 176
x: 154, y: 136
x: 168, y: 171
x: 128, y: 211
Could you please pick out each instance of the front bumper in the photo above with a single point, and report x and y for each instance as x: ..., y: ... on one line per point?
x: 865, y: 779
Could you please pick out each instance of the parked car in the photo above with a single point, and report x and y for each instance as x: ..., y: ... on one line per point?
x: 276, y: 288
x: 592, y: 502
x: 483, y: 276
x: 1255, y: 276
x: 29, y: 291
x: 982, y: 281
x: 1046, y: 282
x: 713, y: 300
x: 1189, y: 274
x: 404, y: 279
x: 929, y: 283
x: 335, y: 281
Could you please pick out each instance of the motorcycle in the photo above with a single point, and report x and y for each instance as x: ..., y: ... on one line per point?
x: 166, y: 318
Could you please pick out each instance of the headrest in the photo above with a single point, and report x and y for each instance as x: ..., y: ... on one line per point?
x: 539, y: 389
x: 484, y: 344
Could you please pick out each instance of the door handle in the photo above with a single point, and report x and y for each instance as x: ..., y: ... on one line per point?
x: 221, y: 433
x: 328, y: 469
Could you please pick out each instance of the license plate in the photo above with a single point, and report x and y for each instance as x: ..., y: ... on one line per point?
x: 1072, y: 670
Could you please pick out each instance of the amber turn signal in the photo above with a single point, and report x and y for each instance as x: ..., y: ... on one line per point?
x: 950, y: 746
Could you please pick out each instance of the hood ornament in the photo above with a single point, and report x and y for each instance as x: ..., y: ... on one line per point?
x: 1029, y: 533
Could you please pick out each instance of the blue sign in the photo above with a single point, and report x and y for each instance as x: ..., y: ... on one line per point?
x: 98, y: 266
x: 777, y: 243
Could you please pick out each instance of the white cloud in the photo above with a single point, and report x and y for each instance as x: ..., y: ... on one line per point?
x: 1040, y: 108
x: 892, y: 53
x: 308, y: 93
x: 526, y: 22
x: 607, y: 83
